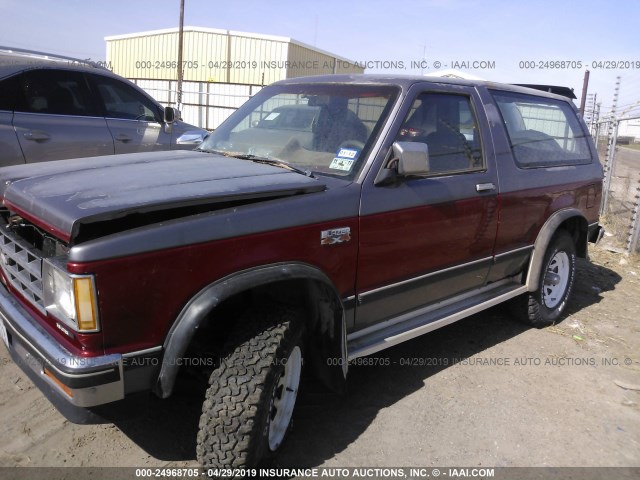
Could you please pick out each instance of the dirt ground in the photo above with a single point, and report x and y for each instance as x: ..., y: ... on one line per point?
x: 486, y: 391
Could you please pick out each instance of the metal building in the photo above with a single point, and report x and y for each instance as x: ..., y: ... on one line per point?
x: 214, y: 55
x: 222, y: 68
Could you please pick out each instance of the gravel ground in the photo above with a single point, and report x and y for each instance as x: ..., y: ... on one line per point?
x: 486, y: 391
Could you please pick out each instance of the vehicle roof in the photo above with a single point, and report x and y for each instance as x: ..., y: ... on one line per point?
x: 406, y: 81
x: 560, y: 90
x: 13, y: 60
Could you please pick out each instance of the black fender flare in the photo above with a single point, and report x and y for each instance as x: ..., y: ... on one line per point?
x: 196, y: 311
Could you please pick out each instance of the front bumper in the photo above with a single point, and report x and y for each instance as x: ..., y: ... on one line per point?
x: 81, y: 381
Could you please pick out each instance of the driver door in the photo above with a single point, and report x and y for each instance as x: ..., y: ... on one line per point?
x: 429, y: 238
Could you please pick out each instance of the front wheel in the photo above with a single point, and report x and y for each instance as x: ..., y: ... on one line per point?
x: 545, y: 306
x: 252, y: 394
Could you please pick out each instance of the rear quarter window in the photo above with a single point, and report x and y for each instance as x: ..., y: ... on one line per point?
x: 543, y: 132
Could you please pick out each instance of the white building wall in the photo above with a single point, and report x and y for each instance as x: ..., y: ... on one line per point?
x: 214, y: 55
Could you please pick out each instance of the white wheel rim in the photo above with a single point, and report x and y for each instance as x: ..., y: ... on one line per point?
x: 552, y: 294
x: 283, y: 399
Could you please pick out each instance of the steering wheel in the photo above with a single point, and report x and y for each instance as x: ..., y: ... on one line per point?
x: 290, y: 148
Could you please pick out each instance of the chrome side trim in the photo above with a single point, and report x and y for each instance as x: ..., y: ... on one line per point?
x: 516, y: 250
x: 136, y: 122
x: 425, y: 325
x: 61, y: 115
x: 424, y: 310
x: 142, y: 352
x: 421, y: 277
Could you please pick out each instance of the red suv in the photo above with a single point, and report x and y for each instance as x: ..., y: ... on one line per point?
x: 408, y: 204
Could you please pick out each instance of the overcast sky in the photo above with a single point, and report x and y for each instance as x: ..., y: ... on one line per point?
x: 505, y: 32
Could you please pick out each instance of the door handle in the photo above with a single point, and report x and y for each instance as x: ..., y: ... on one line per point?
x: 36, y: 136
x: 485, y: 187
x: 122, y: 138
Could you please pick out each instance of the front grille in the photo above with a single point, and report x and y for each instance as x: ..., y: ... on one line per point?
x: 22, y: 266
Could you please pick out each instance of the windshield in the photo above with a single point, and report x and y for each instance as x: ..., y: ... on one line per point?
x: 322, y: 128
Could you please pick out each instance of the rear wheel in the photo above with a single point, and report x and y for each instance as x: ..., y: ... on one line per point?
x: 546, y: 305
x: 252, y: 394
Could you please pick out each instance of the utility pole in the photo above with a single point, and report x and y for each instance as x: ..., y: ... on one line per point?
x: 180, y: 35
x: 590, y: 113
x: 585, y: 86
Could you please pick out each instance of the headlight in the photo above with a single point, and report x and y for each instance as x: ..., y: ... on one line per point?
x: 70, y: 298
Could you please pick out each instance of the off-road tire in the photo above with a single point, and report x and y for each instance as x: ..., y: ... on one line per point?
x: 540, y: 309
x: 235, y: 420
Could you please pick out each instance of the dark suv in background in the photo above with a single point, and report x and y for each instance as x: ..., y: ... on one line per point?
x: 53, y: 108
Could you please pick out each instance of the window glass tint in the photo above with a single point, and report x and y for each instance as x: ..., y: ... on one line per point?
x: 9, y: 92
x: 123, y: 101
x: 447, y: 124
x: 59, y: 92
x: 543, y: 132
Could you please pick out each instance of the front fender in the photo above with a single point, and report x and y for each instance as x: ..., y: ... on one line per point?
x: 198, y: 308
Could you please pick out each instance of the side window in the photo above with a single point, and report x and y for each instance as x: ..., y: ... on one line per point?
x: 123, y: 101
x: 447, y: 124
x: 543, y: 132
x: 59, y: 92
x: 9, y: 92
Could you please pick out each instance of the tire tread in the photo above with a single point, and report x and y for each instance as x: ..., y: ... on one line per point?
x: 235, y: 405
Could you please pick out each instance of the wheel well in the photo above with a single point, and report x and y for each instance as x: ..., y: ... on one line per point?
x: 577, y: 227
x: 569, y: 220
x: 318, y: 304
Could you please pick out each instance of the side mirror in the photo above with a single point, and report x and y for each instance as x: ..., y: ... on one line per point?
x: 171, y: 115
x: 413, y: 158
x: 407, y: 159
x: 192, y: 137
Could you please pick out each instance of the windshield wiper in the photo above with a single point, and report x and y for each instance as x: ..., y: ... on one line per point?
x: 276, y: 163
x: 268, y: 161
